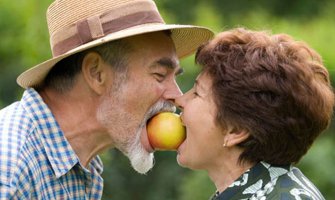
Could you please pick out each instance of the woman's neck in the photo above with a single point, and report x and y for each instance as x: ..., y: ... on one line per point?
x: 227, y: 169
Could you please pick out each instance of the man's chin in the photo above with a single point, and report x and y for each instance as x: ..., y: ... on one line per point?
x: 142, y: 162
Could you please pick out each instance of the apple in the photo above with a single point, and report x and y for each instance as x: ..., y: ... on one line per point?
x: 166, y: 131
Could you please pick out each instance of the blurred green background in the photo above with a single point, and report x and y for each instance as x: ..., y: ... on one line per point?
x: 25, y: 43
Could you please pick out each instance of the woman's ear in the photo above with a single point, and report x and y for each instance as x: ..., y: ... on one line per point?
x: 95, y: 72
x: 235, y: 137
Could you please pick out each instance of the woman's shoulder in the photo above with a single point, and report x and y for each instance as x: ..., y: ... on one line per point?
x: 266, y: 181
x: 294, y: 185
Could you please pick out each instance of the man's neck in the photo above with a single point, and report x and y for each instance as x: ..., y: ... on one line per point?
x: 75, y: 112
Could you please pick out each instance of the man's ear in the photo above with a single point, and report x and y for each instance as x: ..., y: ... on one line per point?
x: 235, y: 137
x: 95, y: 72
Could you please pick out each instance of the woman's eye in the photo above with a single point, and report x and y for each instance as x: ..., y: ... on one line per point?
x: 195, y: 93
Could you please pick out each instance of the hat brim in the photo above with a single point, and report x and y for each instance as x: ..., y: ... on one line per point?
x: 186, y: 38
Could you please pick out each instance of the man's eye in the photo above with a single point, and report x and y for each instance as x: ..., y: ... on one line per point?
x: 160, y: 77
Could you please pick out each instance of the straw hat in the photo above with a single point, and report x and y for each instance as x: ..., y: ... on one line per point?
x: 76, y: 25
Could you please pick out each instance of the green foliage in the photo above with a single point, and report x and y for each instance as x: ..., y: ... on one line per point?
x: 122, y: 182
x: 24, y: 43
x: 196, y: 186
x: 318, y: 162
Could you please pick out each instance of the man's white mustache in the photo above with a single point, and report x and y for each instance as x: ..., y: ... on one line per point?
x: 162, y: 106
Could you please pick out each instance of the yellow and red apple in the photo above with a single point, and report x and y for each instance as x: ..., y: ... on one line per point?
x: 166, y: 131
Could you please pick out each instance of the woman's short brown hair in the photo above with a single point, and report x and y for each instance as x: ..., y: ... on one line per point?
x: 272, y: 86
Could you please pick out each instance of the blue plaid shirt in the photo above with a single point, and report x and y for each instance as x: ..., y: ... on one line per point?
x: 36, y: 160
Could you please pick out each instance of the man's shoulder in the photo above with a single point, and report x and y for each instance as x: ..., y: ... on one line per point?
x: 13, y: 113
x: 15, y: 128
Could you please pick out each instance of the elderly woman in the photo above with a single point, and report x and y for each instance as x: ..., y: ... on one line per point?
x: 257, y: 106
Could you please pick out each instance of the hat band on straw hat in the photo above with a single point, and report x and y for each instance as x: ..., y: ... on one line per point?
x: 95, y: 27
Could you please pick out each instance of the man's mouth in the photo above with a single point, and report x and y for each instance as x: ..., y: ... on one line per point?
x: 145, y: 140
x: 162, y: 107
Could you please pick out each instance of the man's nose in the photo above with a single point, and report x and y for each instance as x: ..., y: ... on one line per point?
x: 172, y: 92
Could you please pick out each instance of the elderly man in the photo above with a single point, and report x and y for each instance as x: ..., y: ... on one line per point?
x: 113, y: 67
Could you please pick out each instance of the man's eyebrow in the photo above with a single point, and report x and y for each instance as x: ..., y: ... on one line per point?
x: 170, y: 64
x: 167, y: 62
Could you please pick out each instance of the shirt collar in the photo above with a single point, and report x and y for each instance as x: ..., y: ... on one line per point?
x: 97, y: 164
x: 59, y: 152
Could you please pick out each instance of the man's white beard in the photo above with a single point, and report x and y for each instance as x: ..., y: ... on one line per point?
x: 141, y: 160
